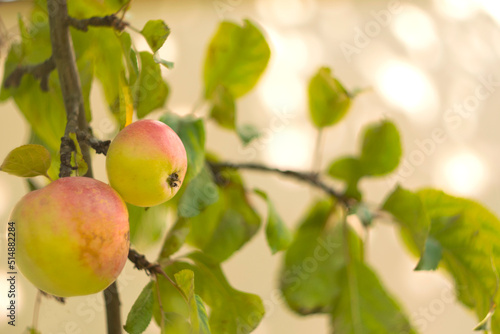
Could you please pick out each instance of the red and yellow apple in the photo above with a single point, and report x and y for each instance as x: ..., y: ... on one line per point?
x: 146, y: 163
x: 72, y: 236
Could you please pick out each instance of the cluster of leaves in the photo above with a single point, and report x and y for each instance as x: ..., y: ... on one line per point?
x: 323, y: 267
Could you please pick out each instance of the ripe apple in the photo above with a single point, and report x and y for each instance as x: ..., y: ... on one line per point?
x: 72, y: 236
x: 146, y: 163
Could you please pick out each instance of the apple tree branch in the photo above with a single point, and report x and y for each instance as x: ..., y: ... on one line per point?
x: 64, y: 59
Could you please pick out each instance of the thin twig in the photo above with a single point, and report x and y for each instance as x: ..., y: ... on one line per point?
x: 38, y: 71
x: 142, y: 263
x: 100, y: 146
x: 111, y: 21
x: 311, y: 178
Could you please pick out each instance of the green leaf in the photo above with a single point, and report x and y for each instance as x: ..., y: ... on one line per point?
x: 130, y: 57
x: 468, y: 236
x: 309, y: 279
x: 200, y: 193
x: 192, y: 133
x: 198, y: 315
x: 329, y: 102
x: 147, y: 225
x: 278, y: 235
x: 156, y: 33
x: 32, y: 330
x: 204, y: 324
x: 247, y: 133
x: 324, y: 273
x: 185, y: 280
x: 103, y: 48
x: 410, y: 213
x: 44, y: 111
x: 150, y: 90
x: 175, y: 323
x: 141, y: 312
x: 176, y: 311
x: 349, y: 170
x: 236, y: 57
x: 225, y: 226
x: 55, y: 164
x: 27, y: 161
x: 381, y: 149
x: 223, y: 109
x: 79, y: 161
x: 232, y: 311
x: 175, y: 238
x: 365, y: 306
x: 431, y: 256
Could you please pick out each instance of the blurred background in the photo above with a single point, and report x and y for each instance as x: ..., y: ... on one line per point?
x: 432, y: 66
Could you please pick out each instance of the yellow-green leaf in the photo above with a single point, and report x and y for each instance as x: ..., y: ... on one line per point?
x: 156, y: 33
x: 79, y: 160
x: 236, y: 58
x: 150, y: 90
x: 349, y: 170
x: 329, y: 102
x: 381, y: 149
x: 278, y: 235
x: 461, y: 236
x: 27, y: 161
x: 175, y: 238
x: 223, y: 108
x: 185, y: 280
x: 204, y: 325
x: 141, y: 312
x: 126, y: 105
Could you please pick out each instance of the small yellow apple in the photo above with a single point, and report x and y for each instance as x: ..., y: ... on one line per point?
x: 72, y: 236
x: 146, y: 163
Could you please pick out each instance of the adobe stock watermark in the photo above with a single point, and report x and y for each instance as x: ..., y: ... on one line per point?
x: 363, y: 36
x: 427, y: 314
x: 453, y: 117
x: 278, y: 122
x: 222, y: 7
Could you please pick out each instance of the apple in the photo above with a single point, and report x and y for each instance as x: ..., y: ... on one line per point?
x: 146, y: 163
x: 72, y: 236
